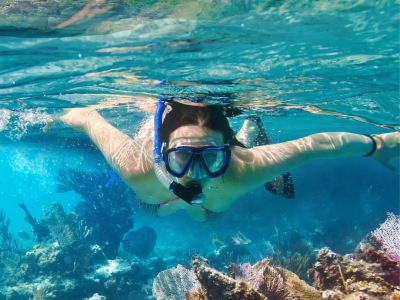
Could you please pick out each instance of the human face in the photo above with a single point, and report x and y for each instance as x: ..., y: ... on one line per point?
x: 195, y: 136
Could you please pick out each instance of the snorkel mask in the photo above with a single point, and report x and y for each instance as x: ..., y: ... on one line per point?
x: 192, y: 193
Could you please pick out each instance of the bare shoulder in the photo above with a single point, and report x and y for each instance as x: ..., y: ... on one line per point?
x: 250, y: 168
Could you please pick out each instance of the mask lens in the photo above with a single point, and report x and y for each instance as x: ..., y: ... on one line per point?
x: 214, y: 159
x: 178, y: 160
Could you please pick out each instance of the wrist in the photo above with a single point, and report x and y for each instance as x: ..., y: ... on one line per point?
x: 377, y: 143
x: 91, y: 117
x: 380, y: 142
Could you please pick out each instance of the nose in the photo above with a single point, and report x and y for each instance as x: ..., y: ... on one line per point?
x: 196, y: 170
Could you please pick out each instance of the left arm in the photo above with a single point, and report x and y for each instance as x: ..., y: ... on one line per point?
x: 252, y: 167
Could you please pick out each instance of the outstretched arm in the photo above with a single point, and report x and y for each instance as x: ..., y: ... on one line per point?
x: 252, y: 167
x: 126, y: 155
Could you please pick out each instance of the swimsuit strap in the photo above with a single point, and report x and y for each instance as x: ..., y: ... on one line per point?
x: 152, y: 209
x: 169, y: 201
x: 174, y: 200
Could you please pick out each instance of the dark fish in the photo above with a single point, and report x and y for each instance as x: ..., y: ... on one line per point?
x: 140, y: 242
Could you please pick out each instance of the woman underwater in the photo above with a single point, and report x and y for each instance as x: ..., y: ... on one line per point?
x: 189, y: 158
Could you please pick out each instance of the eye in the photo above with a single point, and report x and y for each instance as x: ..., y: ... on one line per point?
x: 178, y: 160
x: 214, y: 159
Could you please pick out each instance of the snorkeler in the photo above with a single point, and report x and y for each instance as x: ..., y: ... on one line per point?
x: 189, y: 158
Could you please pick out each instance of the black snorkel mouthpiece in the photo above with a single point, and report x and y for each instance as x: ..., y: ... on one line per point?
x: 192, y: 193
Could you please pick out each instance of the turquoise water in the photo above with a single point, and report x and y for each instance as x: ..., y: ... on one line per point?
x: 304, y: 68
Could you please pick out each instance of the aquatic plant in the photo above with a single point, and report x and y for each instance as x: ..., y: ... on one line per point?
x: 290, y: 242
x: 292, y: 252
x: 106, y: 206
x: 388, y: 235
x: 9, y: 243
x: 10, y: 250
x: 297, y: 262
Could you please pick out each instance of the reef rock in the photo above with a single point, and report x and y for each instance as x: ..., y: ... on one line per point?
x: 260, y: 281
x: 216, y: 285
x: 96, y: 297
x: 345, y: 277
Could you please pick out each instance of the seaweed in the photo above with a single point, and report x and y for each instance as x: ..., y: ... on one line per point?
x: 292, y: 252
x: 297, y: 263
x: 105, y: 207
x: 9, y: 243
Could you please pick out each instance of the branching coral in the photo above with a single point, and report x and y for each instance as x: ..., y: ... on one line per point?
x: 106, y: 205
x: 66, y: 229
x: 41, y: 232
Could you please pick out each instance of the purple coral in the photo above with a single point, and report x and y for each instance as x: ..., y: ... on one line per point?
x: 388, y: 235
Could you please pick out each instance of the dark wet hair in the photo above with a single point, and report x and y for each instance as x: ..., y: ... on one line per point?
x: 211, y: 116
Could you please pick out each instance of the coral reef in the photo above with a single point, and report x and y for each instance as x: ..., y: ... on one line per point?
x: 106, y: 207
x: 345, y: 276
x: 262, y: 281
x: 67, y: 263
x: 370, y: 273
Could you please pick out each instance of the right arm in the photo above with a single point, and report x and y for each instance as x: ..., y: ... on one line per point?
x: 126, y: 155
x: 252, y: 167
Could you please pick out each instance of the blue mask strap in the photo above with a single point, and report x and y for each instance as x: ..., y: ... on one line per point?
x: 192, y: 194
x: 157, y: 124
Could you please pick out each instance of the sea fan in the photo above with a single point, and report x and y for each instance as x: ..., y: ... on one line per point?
x: 388, y: 235
x: 174, y: 283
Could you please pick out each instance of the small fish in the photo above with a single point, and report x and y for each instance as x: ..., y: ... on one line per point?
x: 23, y: 235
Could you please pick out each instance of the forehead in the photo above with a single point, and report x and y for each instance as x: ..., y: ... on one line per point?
x: 195, y: 135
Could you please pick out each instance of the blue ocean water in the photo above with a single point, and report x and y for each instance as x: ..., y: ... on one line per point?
x: 303, y: 67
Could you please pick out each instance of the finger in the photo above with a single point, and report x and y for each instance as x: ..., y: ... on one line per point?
x: 50, y: 125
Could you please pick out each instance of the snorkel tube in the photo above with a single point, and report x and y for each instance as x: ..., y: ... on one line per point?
x: 191, y: 194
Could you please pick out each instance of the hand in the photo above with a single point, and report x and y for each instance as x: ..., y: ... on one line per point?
x: 390, y: 143
x: 73, y: 117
